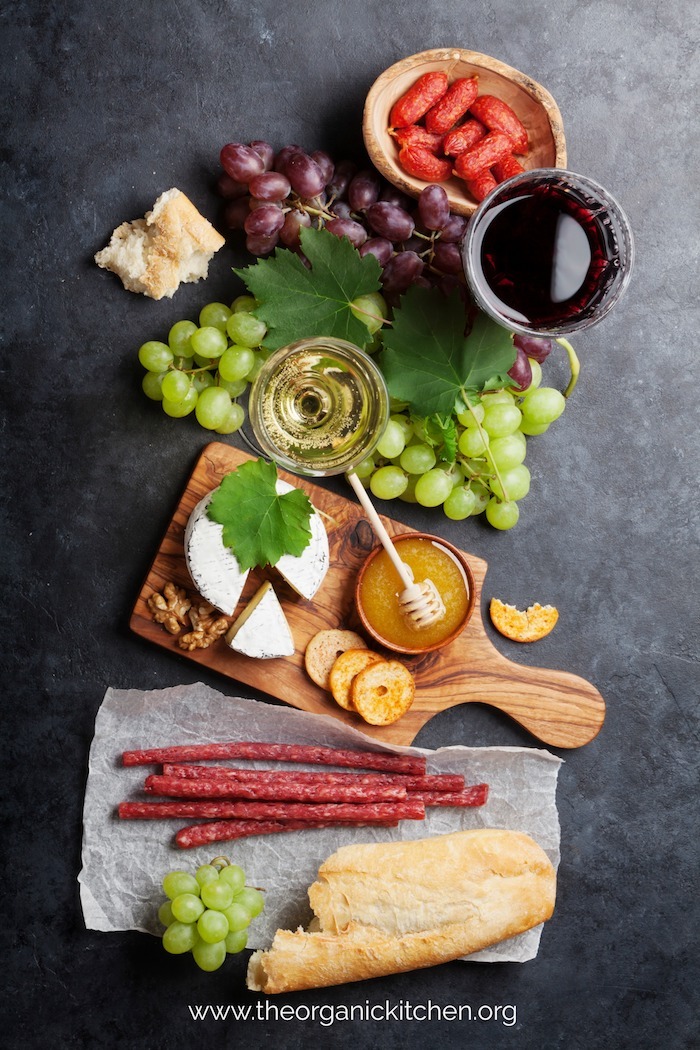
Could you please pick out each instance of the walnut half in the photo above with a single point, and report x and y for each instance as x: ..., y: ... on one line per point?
x: 170, y: 608
x: 206, y: 627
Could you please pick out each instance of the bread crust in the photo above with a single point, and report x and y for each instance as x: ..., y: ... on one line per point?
x: 170, y: 245
x: 391, y: 907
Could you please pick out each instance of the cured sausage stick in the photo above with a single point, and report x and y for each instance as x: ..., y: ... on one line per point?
x: 435, y: 782
x: 229, y: 787
x: 308, y: 812
x: 327, y: 756
x: 227, y: 830
x: 476, y: 795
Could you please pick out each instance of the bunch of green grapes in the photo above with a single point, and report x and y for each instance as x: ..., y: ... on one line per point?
x: 208, y: 913
x: 203, y: 368
x: 487, y: 474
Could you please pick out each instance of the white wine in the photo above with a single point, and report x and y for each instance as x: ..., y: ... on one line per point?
x: 319, y: 406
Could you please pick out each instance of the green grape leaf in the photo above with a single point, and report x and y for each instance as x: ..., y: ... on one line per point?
x: 430, y: 362
x: 260, y: 525
x: 298, y: 303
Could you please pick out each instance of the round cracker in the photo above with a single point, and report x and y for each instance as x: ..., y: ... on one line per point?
x: 528, y: 626
x: 343, y: 672
x: 383, y: 692
x: 324, y: 649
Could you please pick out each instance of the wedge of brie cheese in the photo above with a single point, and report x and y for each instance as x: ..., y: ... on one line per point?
x: 306, y: 572
x: 262, y: 631
x: 213, y: 567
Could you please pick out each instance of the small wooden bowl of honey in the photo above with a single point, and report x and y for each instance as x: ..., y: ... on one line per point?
x: 378, y: 587
x: 531, y: 103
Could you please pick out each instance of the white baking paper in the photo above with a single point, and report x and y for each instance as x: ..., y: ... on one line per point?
x: 123, y: 861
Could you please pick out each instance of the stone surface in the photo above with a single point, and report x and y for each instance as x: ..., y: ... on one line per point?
x: 109, y: 105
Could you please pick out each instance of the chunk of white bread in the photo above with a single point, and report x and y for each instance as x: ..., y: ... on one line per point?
x: 172, y: 244
x: 386, y: 908
x: 262, y: 631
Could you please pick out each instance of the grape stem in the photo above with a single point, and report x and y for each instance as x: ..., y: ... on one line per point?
x: 485, y: 439
x: 574, y: 364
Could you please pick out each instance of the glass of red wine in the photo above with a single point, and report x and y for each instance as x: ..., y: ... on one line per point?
x: 548, y: 252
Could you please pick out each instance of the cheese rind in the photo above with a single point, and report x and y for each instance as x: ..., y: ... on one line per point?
x: 262, y: 631
x: 212, y: 565
x: 306, y: 572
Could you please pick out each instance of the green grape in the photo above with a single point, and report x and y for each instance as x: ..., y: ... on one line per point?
x: 155, y: 356
x: 234, y: 876
x: 151, y: 385
x: 251, y: 899
x: 235, y: 387
x: 473, y: 443
x: 260, y: 359
x: 175, y: 386
x: 501, y: 420
x: 217, y: 895
x: 509, y: 451
x: 208, y: 342
x: 178, y: 409
x: 366, y: 468
x: 201, y: 380
x: 183, y: 363
x: 532, y: 429
x: 237, y: 916
x: 236, y: 941
x: 177, y: 882
x: 180, y: 937
x: 388, y: 482
x: 244, y: 303
x: 165, y: 913
x: 516, y: 484
x: 233, y: 421
x: 245, y: 329
x: 392, y: 441
x: 405, y: 424
x: 209, y: 957
x: 433, y: 488
x: 371, y: 309
x: 470, y: 417
x: 536, y: 375
x: 212, y: 407
x: 475, y: 468
x: 497, y: 397
x: 501, y: 515
x: 409, y: 493
x: 212, y: 926
x: 236, y: 362
x: 179, y: 338
x: 214, y: 315
x: 202, y: 362
x: 417, y: 459
x: 482, y: 496
x: 206, y: 873
x: 187, y: 907
x: 460, y: 503
x: 543, y: 405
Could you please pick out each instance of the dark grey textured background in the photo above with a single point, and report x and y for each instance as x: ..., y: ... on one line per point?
x: 106, y: 106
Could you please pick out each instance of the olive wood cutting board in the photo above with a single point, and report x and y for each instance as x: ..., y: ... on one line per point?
x: 557, y: 707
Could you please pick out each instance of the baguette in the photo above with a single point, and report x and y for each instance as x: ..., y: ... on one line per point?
x: 172, y: 244
x: 390, y: 907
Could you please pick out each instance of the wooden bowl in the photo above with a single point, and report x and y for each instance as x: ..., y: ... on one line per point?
x: 418, y: 649
x: 531, y: 102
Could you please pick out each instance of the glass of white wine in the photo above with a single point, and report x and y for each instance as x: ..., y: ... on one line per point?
x: 318, y: 407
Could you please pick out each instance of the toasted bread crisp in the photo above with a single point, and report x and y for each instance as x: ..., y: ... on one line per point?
x: 383, y: 692
x: 346, y: 667
x: 528, y: 626
x: 324, y: 649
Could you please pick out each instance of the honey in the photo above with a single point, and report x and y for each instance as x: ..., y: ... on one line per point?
x: 380, y: 586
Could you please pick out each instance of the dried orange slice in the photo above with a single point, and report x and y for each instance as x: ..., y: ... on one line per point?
x: 528, y: 626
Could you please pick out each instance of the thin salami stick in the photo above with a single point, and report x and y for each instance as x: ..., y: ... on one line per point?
x: 311, y: 812
x: 228, y: 787
x: 227, y: 830
x: 435, y: 782
x: 476, y: 795
x: 327, y: 756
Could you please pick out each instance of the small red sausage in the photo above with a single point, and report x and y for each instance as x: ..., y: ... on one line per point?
x: 506, y: 168
x: 419, y: 98
x: 422, y: 164
x: 415, y: 135
x: 464, y: 137
x: 498, y: 116
x: 493, y: 147
x: 482, y: 185
x: 453, y: 105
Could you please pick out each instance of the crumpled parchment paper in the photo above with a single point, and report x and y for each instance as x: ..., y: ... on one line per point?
x: 124, y: 861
